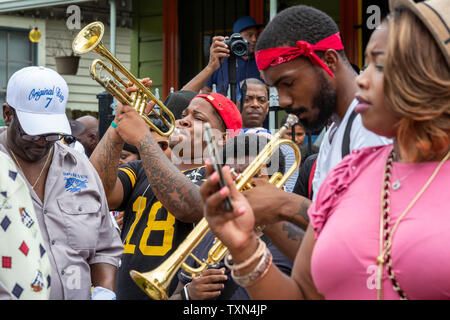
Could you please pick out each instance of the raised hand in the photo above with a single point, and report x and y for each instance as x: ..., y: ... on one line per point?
x: 217, y: 52
x: 130, y: 125
x: 147, y: 83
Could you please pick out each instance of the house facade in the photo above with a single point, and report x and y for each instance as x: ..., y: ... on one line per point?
x: 17, y: 51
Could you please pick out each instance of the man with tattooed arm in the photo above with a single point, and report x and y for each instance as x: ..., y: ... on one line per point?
x: 160, y: 196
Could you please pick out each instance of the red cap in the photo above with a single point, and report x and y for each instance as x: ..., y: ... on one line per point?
x: 227, y: 110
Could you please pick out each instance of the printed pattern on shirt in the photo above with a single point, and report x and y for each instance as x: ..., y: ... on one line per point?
x: 25, y: 267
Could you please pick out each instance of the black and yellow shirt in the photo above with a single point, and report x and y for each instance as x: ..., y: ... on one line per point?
x: 150, y: 233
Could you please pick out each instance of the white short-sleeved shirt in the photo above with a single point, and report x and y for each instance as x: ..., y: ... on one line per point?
x: 330, y: 153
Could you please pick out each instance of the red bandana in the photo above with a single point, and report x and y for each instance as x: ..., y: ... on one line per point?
x: 275, y: 56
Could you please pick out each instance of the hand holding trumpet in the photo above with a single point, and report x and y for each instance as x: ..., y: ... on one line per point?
x: 130, y: 125
x: 208, y: 285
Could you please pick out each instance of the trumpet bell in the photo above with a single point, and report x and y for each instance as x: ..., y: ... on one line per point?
x: 88, y: 38
x: 155, y: 282
x: 153, y: 289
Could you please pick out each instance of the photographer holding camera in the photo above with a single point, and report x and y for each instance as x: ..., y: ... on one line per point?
x: 239, y: 47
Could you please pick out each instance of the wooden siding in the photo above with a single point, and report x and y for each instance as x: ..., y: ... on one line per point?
x: 82, y: 88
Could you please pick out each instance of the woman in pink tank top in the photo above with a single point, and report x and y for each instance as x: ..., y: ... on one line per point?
x: 380, y: 226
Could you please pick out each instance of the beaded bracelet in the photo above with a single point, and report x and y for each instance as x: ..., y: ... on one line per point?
x: 257, y: 274
x: 259, y: 252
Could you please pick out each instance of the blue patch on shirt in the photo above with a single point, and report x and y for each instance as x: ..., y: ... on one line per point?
x: 75, y: 182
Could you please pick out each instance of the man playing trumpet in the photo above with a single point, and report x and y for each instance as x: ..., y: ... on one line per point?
x: 160, y: 196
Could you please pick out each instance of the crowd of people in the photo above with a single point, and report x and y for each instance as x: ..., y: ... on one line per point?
x: 363, y: 216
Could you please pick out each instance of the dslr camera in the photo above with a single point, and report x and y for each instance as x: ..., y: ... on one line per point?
x: 237, y: 45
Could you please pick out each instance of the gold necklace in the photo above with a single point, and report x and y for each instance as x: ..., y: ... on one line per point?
x: 385, y: 234
x: 42, y: 170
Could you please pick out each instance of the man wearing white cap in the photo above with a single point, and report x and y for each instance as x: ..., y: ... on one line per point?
x: 68, y: 196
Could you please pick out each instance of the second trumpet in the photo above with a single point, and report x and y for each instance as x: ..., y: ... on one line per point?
x: 155, y: 283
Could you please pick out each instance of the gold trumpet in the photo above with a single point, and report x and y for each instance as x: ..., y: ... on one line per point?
x: 89, y: 39
x: 155, y: 283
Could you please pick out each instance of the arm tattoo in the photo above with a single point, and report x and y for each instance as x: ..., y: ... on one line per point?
x: 303, y: 211
x: 105, y: 160
x: 173, y: 189
x: 293, y: 232
x: 300, y: 217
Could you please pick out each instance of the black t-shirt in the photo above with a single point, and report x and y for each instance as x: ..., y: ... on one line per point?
x: 150, y: 233
x: 306, y: 152
x: 231, y: 290
x: 304, y: 176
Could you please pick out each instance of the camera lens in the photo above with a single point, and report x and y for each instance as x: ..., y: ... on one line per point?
x: 237, y: 45
x: 239, y: 48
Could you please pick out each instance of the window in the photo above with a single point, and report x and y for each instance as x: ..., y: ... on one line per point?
x: 16, y: 52
x: 199, y: 21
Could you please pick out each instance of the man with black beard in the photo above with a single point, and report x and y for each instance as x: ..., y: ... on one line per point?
x: 300, y: 52
x: 302, y: 55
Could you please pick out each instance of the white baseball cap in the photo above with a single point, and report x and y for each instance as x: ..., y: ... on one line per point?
x: 39, y: 97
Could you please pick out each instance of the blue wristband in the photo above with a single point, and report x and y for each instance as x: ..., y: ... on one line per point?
x: 113, y: 124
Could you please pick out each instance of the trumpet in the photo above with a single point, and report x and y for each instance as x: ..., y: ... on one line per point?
x: 89, y: 39
x: 155, y: 283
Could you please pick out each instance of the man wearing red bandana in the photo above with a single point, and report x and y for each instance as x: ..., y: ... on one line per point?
x: 302, y: 55
x: 300, y: 52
